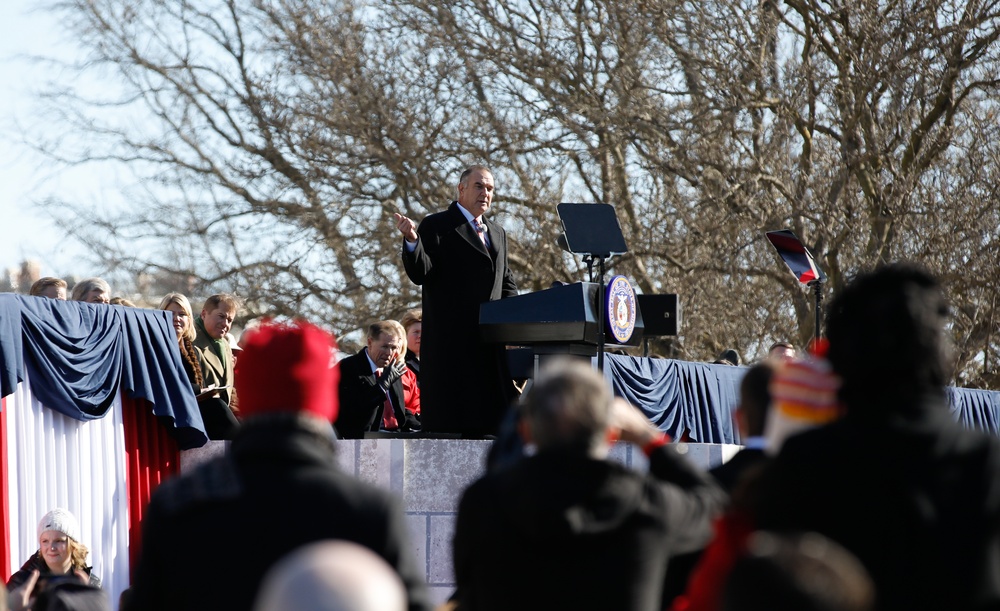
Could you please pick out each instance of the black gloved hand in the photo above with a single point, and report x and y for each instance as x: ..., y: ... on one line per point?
x: 390, y: 375
x: 412, y: 423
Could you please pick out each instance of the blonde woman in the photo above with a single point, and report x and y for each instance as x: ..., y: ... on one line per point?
x: 220, y: 423
x: 59, y: 552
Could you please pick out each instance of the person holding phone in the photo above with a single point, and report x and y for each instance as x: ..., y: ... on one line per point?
x: 376, y: 391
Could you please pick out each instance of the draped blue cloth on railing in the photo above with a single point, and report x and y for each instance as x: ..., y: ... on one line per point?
x: 77, y: 354
x: 698, y: 398
x: 679, y: 396
x: 976, y: 409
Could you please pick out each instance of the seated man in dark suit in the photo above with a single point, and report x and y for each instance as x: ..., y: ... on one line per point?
x: 372, y: 392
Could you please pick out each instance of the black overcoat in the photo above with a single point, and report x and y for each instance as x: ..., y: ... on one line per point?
x: 465, y: 384
x: 914, y: 495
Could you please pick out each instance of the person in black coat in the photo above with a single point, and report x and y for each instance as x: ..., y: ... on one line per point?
x: 896, y: 481
x: 567, y: 528
x: 751, y: 415
x: 210, y: 536
x: 465, y: 383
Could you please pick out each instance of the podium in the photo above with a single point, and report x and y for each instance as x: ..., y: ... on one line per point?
x: 570, y: 319
x: 560, y: 320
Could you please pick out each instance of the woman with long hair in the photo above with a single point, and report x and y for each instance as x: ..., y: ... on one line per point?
x: 220, y: 423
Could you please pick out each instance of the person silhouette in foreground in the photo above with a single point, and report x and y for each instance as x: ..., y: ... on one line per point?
x: 567, y: 528
x: 913, y: 494
x: 332, y: 576
x: 209, y: 536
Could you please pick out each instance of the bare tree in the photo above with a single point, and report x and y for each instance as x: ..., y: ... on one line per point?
x: 274, y: 138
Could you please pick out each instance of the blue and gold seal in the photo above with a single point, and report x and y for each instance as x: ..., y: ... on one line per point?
x: 620, y: 308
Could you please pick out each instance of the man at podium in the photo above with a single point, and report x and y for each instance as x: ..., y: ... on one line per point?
x: 459, y: 257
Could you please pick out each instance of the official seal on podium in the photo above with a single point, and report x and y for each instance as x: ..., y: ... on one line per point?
x: 620, y: 308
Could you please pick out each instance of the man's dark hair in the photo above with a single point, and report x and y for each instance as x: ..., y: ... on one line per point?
x: 727, y: 357
x: 804, y: 572
x: 473, y: 168
x: 755, y: 397
x: 213, y: 302
x: 886, y: 334
x: 389, y: 327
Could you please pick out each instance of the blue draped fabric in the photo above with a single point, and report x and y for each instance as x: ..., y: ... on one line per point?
x: 976, y: 409
x: 679, y: 396
x: 698, y: 398
x: 76, y: 356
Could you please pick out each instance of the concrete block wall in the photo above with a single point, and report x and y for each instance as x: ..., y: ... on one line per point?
x: 430, y: 476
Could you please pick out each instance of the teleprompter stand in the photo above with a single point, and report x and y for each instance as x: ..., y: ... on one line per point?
x: 803, y: 266
x: 592, y: 230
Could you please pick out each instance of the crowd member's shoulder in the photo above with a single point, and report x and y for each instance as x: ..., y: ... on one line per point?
x: 215, y: 480
x: 984, y: 447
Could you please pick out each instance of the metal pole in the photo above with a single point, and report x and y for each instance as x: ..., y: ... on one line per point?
x: 600, y: 318
x: 818, y: 290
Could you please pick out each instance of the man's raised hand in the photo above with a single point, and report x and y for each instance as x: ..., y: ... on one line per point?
x: 406, y: 227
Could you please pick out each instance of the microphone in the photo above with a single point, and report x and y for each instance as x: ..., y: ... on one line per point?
x: 561, y: 241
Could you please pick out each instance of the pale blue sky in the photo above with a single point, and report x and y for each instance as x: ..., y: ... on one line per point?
x: 25, y: 231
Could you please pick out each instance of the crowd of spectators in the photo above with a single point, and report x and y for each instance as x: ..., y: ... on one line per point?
x: 856, y: 490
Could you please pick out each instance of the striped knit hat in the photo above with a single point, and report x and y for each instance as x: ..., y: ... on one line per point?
x: 803, y: 396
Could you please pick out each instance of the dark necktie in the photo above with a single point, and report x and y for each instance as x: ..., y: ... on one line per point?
x: 389, y: 421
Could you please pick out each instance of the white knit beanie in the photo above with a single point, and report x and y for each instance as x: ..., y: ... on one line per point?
x: 61, y: 520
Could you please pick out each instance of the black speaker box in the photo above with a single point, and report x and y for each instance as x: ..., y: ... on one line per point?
x: 661, y: 314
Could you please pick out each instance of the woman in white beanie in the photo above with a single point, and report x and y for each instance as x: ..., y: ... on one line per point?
x: 59, y: 551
